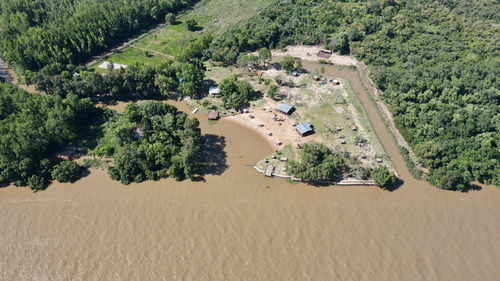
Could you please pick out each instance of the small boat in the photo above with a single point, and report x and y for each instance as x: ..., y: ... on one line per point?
x: 195, y: 110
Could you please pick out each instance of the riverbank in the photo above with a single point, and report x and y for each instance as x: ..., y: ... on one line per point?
x: 362, y: 84
x: 235, y: 225
x: 310, y: 53
x: 344, y: 182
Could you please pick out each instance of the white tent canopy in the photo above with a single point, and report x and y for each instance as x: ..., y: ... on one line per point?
x: 115, y: 65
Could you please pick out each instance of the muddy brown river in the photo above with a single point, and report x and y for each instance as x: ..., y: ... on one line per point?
x: 235, y: 224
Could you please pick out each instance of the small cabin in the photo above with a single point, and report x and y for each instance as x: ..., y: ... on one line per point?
x: 354, y: 128
x: 285, y: 108
x: 213, y: 115
x: 323, y: 53
x: 304, y: 129
x: 336, y: 82
x: 269, y: 171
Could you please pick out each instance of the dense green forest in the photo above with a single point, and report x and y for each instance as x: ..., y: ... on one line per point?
x: 438, y: 63
x: 33, y: 128
x: 148, y: 142
x: 35, y: 33
x: 138, y: 81
x: 151, y: 141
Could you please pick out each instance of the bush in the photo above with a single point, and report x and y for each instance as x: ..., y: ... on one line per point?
x: 383, y: 177
x: 273, y: 89
x: 37, y: 183
x: 191, y: 24
x: 170, y: 18
x: 67, y: 171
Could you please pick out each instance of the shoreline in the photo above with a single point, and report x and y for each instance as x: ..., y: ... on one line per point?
x: 344, y: 182
x: 236, y: 120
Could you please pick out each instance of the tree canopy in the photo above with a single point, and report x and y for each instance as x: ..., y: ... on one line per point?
x: 316, y: 163
x: 383, y: 177
x: 33, y: 128
x: 150, y: 141
x: 235, y: 93
x: 36, y: 33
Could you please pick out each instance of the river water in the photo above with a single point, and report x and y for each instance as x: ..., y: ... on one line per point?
x: 235, y: 224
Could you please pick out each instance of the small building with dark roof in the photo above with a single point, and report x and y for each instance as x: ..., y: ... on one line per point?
x: 304, y: 129
x: 286, y: 108
x: 213, y: 115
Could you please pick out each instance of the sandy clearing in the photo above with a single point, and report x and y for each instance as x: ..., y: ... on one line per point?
x: 278, y: 130
x: 310, y: 53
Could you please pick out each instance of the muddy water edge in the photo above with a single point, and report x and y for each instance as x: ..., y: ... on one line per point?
x: 235, y: 224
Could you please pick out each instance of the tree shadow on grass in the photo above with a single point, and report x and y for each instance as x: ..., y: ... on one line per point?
x: 214, y: 157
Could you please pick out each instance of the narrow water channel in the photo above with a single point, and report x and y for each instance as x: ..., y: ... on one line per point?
x: 378, y: 125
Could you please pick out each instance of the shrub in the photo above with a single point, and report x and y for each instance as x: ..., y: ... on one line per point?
x: 67, y: 171
x: 383, y: 177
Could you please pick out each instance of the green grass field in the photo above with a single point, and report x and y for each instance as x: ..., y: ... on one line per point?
x: 129, y: 56
x: 212, y: 16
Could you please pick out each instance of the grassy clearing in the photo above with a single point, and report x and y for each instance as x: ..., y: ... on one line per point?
x: 129, y: 56
x: 275, y: 160
x: 212, y: 16
x: 171, y: 39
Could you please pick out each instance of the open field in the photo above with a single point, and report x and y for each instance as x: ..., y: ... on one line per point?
x: 212, y: 16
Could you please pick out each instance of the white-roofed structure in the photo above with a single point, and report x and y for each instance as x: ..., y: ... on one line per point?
x: 105, y: 64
